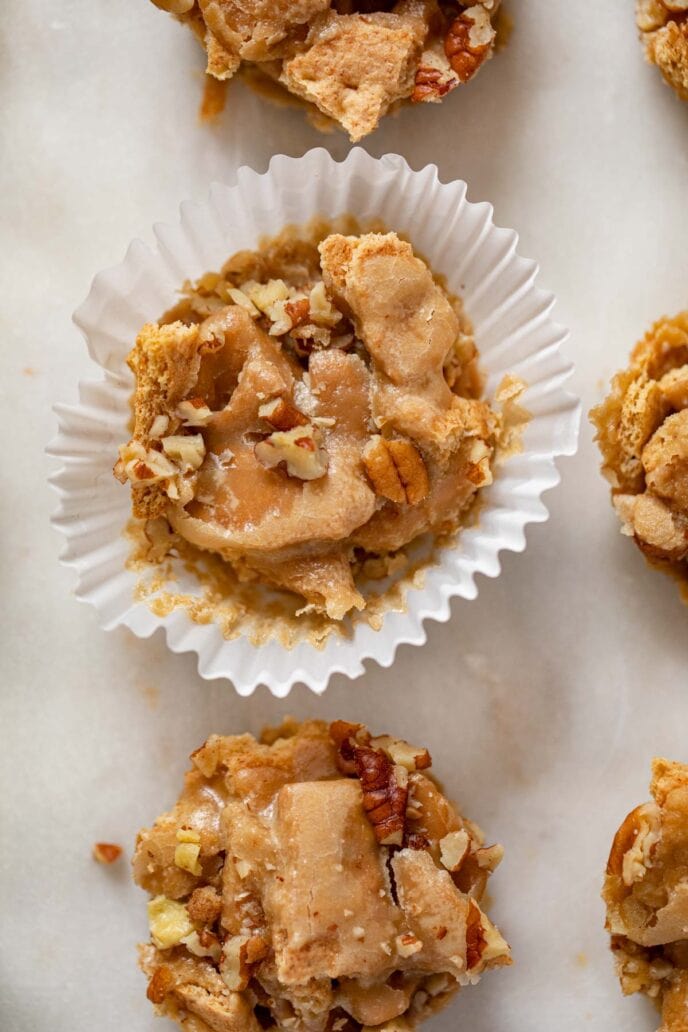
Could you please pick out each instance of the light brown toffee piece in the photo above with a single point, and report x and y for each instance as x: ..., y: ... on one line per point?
x: 642, y: 430
x: 315, y: 880
x: 663, y: 27
x: 349, y: 61
x: 307, y: 407
x: 646, y: 893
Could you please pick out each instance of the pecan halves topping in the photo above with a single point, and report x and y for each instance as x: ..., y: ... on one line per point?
x: 396, y: 470
x: 464, y: 57
x: 385, y: 794
x: 382, y: 766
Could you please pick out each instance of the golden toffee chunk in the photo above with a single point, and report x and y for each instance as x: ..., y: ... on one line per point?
x: 646, y: 894
x: 316, y: 879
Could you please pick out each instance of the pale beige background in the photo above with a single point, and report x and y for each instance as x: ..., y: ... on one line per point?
x: 542, y: 701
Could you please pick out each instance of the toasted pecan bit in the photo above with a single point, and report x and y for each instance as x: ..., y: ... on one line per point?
x: 106, y: 852
x: 489, y: 858
x: 281, y: 414
x: 396, y: 470
x: 300, y: 450
x: 177, y: 7
x: 410, y: 756
x: 454, y: 848
x: 464, y: 57
x: 239, y: 953
x: 624, y: 840
x: 160, y: 984
x: 416, y: 841
x: 346, y: 738
x: 475, y: 935
x: 429, y: 84
x: 298, y: 311
x: 408, y: 944
x: 194, y: 412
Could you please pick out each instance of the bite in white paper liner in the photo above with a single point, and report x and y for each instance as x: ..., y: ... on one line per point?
x: 514, y: 333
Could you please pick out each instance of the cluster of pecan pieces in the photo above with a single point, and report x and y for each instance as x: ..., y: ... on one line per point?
x: 385, y: 767
x: 467, y: 43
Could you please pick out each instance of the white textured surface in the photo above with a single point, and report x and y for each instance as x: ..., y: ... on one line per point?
x: 543, y: 700
x: 514, y: 330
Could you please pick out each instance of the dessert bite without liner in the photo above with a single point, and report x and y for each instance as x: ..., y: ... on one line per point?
x: 642, y: 431
x: 314, y: 880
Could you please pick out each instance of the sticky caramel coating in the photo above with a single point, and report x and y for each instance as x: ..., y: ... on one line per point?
x: 275, y: 905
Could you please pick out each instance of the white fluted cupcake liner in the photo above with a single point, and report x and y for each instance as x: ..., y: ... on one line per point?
x: 514, y: 333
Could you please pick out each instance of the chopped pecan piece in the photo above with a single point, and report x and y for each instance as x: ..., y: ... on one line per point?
x: 160, y: 984
x: 194, y: 412
x: 396, y: 470
x: 347, y: 737
x: 429, y: 83
x: 475, y: 936
x: 410, y: 756
x: 186, y: 450
x: 177, y: 7
x: 464, y: 57
x: 300, y: 449
x: 385, y: 793
x: 454, y: 849
x: 238, y: 954
x: 106, y: 852
x: 415, y: 840
x: 382, y: 766
x: 298, y: 311
x: 281, y: 414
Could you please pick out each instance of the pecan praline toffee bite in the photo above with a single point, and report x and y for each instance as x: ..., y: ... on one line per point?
x: 316, y: 879
x: 348, y: 62
x: 663, y: 26
x: 642, y: 431
x: 646, y: 895
x: 314, y: 405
